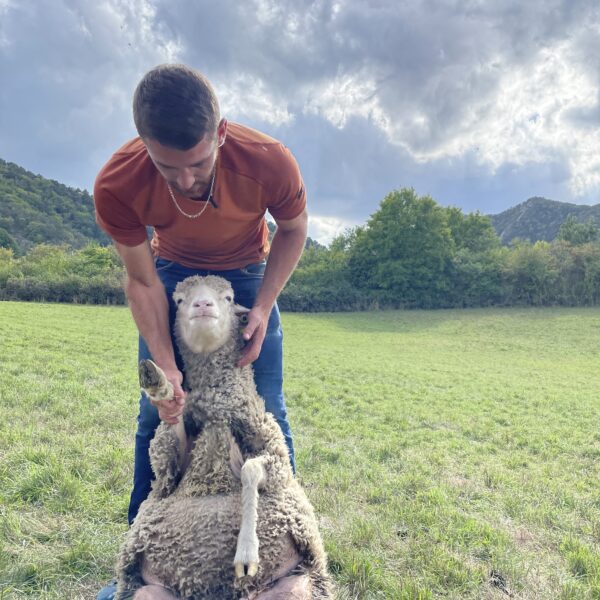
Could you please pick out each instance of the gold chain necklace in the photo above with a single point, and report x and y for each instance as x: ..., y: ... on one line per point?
x: 207, y: 202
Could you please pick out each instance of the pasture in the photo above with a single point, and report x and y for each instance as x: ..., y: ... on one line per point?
x: 448, y: 454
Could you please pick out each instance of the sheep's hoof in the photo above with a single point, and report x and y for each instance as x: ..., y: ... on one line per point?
x: 240, y: 570
x: 150, y: 375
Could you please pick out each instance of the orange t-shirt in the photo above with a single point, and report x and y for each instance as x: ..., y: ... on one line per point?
x: 254, y: 173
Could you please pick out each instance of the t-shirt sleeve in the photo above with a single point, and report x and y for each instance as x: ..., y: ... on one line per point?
x: 288, y: 197
x: 116, y: 218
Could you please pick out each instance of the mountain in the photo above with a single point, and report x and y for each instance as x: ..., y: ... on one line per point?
x: 540, y: 219
x: 35, y: 210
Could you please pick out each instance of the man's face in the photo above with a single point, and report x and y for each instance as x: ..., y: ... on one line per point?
x: 188, y: 172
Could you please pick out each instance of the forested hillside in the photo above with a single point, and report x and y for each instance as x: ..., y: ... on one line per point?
x: 540, y: 219
x: 412, y: 253
x: 35, y: 210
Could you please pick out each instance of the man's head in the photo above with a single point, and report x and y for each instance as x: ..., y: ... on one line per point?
x: 175, y: 106
x: 177, y: 116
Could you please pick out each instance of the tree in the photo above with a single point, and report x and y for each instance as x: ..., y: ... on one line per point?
x: 477, y: 277
x: 7, y: 241
x: 404, y: 250
x: 579, y: 267
x: 95, y: 260
x: 532, y: 273
x: 473, y: 231
x: 577, y: 233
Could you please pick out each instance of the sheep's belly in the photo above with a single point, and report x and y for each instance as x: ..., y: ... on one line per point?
x: 189, y: 544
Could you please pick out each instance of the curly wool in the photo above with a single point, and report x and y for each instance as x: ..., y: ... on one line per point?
x: 186, y: 531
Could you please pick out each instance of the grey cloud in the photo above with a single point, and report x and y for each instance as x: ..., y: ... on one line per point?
x: 585, y: 118
x: 350, y: 170
x: 68, y: 69
x: 347, y: 171
x: 441, y: 60
x: 444, y: 62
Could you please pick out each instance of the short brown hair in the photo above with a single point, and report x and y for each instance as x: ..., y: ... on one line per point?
x: 176, y: 106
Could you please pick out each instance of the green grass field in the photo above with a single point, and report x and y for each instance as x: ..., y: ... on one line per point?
x: 448, y: 454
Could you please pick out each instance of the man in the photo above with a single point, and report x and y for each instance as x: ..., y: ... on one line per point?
x: 204, y: 185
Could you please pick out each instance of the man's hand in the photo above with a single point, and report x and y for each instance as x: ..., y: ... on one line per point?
x: 171, y: 410
x: 150, y: 309
x: 286, y: 248
x: 254, y: 334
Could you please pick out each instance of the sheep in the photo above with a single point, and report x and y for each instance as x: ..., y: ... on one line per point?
x: 225, y: 518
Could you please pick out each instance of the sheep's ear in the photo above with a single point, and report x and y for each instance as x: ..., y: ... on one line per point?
x: 239, y: 310
x: 177, y: 298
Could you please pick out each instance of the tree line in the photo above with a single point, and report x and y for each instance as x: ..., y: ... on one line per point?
x: 58, y: 273
x: 412, y: 253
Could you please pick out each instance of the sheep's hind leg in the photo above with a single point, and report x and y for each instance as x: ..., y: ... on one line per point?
x: 253, y: 477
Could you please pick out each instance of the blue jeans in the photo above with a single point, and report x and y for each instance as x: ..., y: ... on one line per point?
x: 268, y: 367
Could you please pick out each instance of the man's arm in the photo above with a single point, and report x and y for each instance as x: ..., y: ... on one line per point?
x: 150, y: 310
x: 286, y: 249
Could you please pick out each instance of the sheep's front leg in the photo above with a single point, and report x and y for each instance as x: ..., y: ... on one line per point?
x: 156, y: 385
x: 169, y: 446
x: 154, y: 382
x: 253, y: 477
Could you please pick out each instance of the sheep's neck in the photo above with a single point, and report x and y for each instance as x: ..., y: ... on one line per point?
x: 211, y: 399
x: 200, y: 364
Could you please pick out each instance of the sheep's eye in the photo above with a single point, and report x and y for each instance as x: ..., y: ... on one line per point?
x: 244, y: 319
x: 179, y: 301
x: 228, y: 298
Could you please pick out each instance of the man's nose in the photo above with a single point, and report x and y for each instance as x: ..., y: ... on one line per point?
x: 185, y: 179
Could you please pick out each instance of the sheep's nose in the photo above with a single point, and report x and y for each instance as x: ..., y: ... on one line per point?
x: 203, y: 303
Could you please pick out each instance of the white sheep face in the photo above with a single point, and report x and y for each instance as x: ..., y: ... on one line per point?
x: 205, y: 311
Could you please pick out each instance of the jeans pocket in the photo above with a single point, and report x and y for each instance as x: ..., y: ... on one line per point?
x: 160, y: 264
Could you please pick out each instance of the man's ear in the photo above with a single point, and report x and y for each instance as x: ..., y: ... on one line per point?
x: 221, y: 132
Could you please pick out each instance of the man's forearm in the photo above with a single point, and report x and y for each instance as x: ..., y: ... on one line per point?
x: 286, y: 250
x: 150, y: 310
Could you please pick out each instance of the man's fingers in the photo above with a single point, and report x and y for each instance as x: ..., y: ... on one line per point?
x: 175, y: 405
x: 254, y: 323
x: 170, y: 410
x: 254, y: 334
x: 248, y: 358
x: 249, y: 331
x: 169, y: 420
x: 249, y: 353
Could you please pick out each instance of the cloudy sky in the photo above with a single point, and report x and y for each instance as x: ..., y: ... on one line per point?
x: 479, y: 103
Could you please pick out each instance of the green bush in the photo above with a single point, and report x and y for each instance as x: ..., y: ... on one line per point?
x: 532, y: 275
x: 412, y: 253
x: 92, y: 275
x: 334, y: 298
x: 477, y: 278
